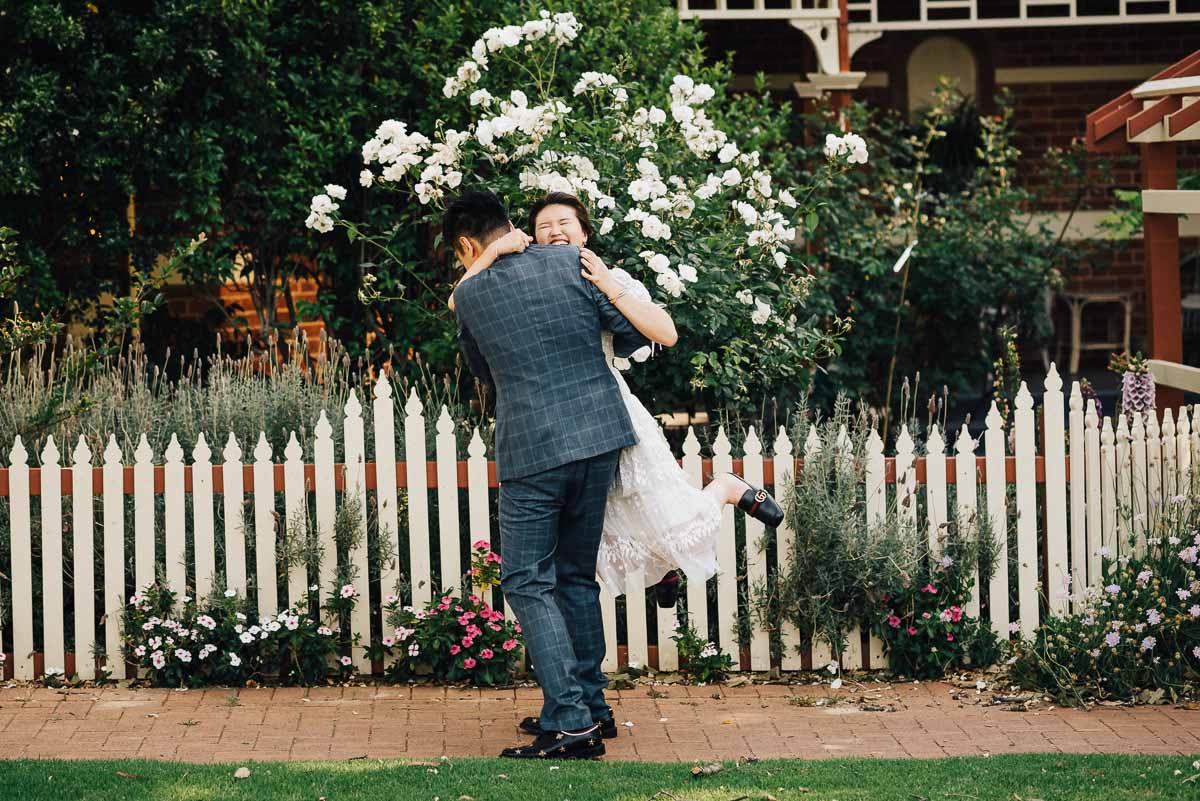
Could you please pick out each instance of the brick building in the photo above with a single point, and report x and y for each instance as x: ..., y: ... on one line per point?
x: 1059, y: 61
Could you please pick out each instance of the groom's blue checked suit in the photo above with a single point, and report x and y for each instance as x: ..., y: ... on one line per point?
x: 530, y: 326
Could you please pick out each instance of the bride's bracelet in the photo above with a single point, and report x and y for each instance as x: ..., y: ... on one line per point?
x: 618, y: 296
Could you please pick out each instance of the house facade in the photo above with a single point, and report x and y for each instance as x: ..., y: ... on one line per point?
x: 1058, y: 60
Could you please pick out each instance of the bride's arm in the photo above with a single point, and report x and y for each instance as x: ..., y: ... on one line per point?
x: 650, y: 319
x: 514, y: 241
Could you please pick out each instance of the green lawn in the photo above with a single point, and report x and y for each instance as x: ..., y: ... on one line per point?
x: 1023, y: 777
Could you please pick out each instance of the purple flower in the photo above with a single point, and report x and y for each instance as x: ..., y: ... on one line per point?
x: 1153, y: 617
x: 1113, y: 589
x: 1112, y: 639
x: 1149, y: 643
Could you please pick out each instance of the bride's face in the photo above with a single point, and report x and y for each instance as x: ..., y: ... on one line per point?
x: 558, y: 225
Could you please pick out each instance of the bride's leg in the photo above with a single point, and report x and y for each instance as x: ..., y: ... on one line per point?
x: 726, y: 488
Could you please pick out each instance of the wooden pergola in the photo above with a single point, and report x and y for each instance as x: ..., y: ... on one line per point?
x: 1155, y: 115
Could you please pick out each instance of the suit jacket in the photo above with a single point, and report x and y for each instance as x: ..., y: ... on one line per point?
x: 530, y: 326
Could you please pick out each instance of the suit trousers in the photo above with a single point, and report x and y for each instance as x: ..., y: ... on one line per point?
x: 550, y: 528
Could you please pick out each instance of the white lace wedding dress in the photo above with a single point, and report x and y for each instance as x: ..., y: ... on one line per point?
x: 656, y: 520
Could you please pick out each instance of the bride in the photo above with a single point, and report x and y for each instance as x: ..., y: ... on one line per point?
x: 643, y: 534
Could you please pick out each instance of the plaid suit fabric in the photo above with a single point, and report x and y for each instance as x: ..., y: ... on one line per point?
x: 530, y: 325
x: 550, y: 529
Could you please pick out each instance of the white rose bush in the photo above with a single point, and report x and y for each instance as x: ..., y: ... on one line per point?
x: 675, y: 197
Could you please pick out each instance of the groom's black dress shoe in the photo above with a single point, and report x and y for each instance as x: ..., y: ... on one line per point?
x: 666, y: 592
x: 759, y: 504
x: 607, y: 728
x: 560, y: 745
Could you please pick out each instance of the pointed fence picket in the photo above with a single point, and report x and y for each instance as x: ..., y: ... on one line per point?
x: 53, y: 640
x: 84, y: 565
x: 1100, y: 484
x: 1054, y: 446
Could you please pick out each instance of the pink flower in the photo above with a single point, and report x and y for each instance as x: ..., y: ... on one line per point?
x: 444, y: 605
x: 475, y: 571
x: 486, y: 653
x: 495, y: 626
x: 474, y: 599
x: 468, y: 663
x: 467, y: 642
x: 929, y: 588
x: 956, y: 613
x: 911, y: 631
x: 473, y: 630
x: 493, y: 557
x: 949, y: 638
x: 945, y: 615
x: 454, y: 649
x: 481, y: 545
x: 926, y: 615
x: 517, y: 626
x: 465, y: 618
x: 893, y: 621
x: 509, y: 645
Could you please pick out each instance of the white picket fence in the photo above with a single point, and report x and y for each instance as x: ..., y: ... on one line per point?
x: 1134, y: 467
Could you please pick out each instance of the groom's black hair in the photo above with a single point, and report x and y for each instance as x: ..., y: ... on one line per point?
x: 478, y: 215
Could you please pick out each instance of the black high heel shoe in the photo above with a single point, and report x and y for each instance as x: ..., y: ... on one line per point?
x: 759, y: 504
x: 666, y: 592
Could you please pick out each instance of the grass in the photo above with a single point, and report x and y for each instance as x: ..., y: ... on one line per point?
x: 1010, y: 777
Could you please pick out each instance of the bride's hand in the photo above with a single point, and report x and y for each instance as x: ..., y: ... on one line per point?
x: 515, y: 241
x: 596, y: 271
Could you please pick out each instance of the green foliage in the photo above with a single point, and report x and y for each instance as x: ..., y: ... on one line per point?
x: 699, y: 658
x: 188, y: 642
x: 924, y: 629
x: 979, y: 265
x: 842, y: 570
x: 1138, y: 630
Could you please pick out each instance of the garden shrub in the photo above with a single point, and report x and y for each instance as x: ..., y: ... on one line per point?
x: 454, y: 638
x: 1138, y: 630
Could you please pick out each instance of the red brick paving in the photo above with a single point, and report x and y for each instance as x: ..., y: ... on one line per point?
x: 668, y: 724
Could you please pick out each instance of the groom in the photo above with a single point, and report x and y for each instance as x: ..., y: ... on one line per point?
x: 530, y: 326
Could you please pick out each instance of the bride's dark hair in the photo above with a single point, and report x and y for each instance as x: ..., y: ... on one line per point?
x: 561, y: 199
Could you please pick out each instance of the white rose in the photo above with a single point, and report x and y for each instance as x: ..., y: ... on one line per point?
x: 785, y: 197
x: 484, y: 133
x: 606, y: 225
x: 335, y: 191
x: 682, y: 113
x: 688, y: 273
x: 365, y: 178
x: 780, y: 259
x: 731, y: 177
x: 669, y: 281
x: 745, y: 297
x: 748, y: 212
x: 657, y: 116
x: 481, y: 97
x: 518, y: 99
x: 761, y: 313
x: 658, y: 262
x: 727, y: 153
x: 684, y: 83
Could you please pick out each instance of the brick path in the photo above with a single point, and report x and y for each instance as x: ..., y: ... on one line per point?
x: 669, y: 723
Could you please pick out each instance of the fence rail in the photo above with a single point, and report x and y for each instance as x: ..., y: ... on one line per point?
x: 1062, y: 517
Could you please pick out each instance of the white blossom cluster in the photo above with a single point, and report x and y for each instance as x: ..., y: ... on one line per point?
x: 571, y: 173
x: 560, y: 29
x: 596, y: 81
x: 672, y: 280
x: 535, y: 123
x: 852, y: 146
x: 322, y: 208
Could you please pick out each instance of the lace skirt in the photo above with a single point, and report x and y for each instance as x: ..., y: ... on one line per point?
x: 656, y: 519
